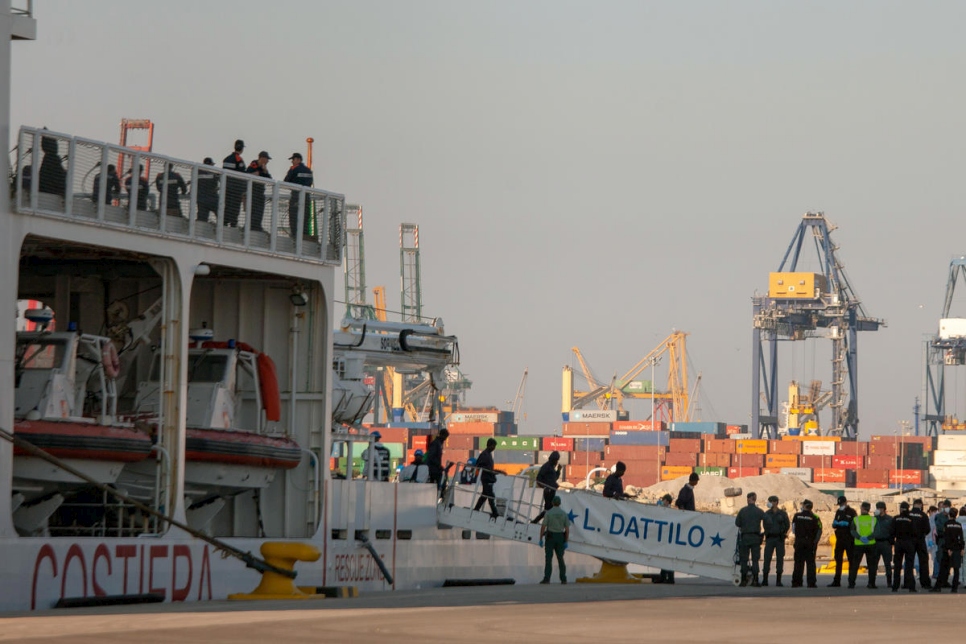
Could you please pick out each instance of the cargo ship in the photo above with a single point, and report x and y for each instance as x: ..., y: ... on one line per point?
x: 227, y: 453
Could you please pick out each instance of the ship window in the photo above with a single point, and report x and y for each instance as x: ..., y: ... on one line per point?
x: 383, y: 534
x: 404, y: 535
x: 205, y: 367
x: 340, y: 535
x: 362, y: 535
x: 41, y: 355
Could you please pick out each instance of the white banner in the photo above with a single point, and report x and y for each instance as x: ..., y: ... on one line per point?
x: 651, y: 530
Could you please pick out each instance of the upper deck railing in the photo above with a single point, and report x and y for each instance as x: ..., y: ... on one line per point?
x: 174, y: 198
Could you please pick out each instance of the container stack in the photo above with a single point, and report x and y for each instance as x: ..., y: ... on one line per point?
x: 948, y: 471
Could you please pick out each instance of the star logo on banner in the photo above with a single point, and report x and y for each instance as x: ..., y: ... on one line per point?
x: 571, y: 515
x: 717, y: 539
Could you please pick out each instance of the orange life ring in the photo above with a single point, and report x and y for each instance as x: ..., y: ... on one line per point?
x: 110, y: 360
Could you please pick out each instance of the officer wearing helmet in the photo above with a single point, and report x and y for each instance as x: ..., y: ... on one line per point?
x: 415, y: 472
x: 547, y: 479
x: 468, y: 474
x: 378, y: 469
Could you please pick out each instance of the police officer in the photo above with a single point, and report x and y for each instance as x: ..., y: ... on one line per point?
x: 300, y: 174
x: 807, y: 528
x: 547, y: 479
x: 259, y: 167
x: 951, y: 552
x: 940, y: 521
x: 842, y: 523
x: 749, y: 521
x: 904, y: 532
x: 378, y: 470
x: 143, y: 188
x: 863, y: 544
x: 469, y: 474
x: 207, y: 198
x: 113, y: 188
x: 883, y: 540
x: 923, y: 530
x: 176, y: 184
x: 776, y: 526
x: 234, y: 188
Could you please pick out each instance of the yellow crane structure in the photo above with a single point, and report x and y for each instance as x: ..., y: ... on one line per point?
x: 672, y: 404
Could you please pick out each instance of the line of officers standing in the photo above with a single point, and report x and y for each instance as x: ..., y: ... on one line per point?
x: 897, y: 541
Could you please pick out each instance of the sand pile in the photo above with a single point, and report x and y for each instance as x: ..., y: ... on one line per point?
x: 710, y: 491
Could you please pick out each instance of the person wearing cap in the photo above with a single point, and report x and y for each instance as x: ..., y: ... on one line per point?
x: 685, y: 499
x: 554, y: 534
x: 469, y: 473
x: 259, y: 167
x: 416, y: 471
x: 547, y: 479
x: 863, y: 544
x: 904, y: 534
x: 207, y: 192
x: 300, y: 174
x: 883, y: 540
x: 842, y: 523
x: 776, y: 526
x: 234, y: 188
x: 807, y: 528
x: 951, y: 552
x: 175, y: 186
x: 487, y: 468
x: 940, y: 521
x: 376, y: 457
x: 923, y: 530
x: 749, y: 521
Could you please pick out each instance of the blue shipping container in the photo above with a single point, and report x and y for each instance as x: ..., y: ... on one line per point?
x: 589, y: 444
x: 639, y: 438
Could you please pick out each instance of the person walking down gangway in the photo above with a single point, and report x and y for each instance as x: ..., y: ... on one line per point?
x: 547, y: 478
x: 484, y: 462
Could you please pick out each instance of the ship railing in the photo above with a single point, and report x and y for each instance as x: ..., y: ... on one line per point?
x: 60, y: 175
x: 517, y: 498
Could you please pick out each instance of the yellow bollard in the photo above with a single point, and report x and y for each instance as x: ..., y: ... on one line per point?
x: 611, y: 573
x: 282, y: 554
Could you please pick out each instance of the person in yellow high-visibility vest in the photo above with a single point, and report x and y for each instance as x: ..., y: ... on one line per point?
x: 862, y: 529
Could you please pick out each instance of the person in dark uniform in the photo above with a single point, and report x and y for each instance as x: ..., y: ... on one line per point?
x: 434, y: 456
x: 883, y: 540
x: 904, y: 531
x: 776, y: 526
x: 259, y: 167
x: 685, y: 499
x: 923, y: 530
x: 53, y: 176
x: 300, y: 174
x: 484, y: 462
x: 950, y: 552
x: 614, y: 484
x: 207, y: 199
x: 940, y: 520
x: 547, y: 479
x: 807, y: 528
x: 176, y: 184
x: 749, y: 522
x: 113, y: 188
x: 234, y: 188
x: 842, y: 523
x: 143, y: 188
x: 863, y: 545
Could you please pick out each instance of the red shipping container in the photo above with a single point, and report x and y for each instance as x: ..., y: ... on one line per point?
x: 576, y: 473
x: 771, y: 470
x: 455, y: 455
x: 635, y: 466
x: 634, y: 452
x: 928, y: 442
x: 686, y: 445
x: 419, y: 442
x: 471, y: 429
x: 393, y: 434
x: 741, y: 472
x: 714, y: 460
x: 681, y: 458
x: 913, y: 477
x: 586, y: 429
x: 815, y: 462
x: 887, y: 448
x: 559, y: 443
x: 585, y: 458
x: 720, y: 445
x: 458, y: 442
x: 639, y: 426
x: 784, y: 447
x: 748, y: 460
x: 859, y: 448
x: 872, y: 476
x: 641, y: 480
x: 829, y: 475
x: 847, y: 462
x: 735, y: 429
x: 872, y: 486
x: 880, y: 462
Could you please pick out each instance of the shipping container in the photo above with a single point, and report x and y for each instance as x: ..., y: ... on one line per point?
x: 784, y: 447
x: 640, y: 438
x: 589, y: 444
x: 669, y: 472
x: 853, y: 448
x: 742, y: 472
x: 754, y: 446
x: 526, y: 443
x: 686, y: 445
x: 955, y: 473
x: 688, y: 459
x: 460, y: 441
x: 641, y: 479
x: 802, y: 473
x: 872, y: 486
x: 586, y: 429
x: 804, y: 438
x: 872, y: 476
x: 781, y: 460
x: 828, y: 475
x: 490, y: 417
x: 886, y: 448
x: 951, y: 442
x: 586, y: 458
x: 644, y: 468
x: 847, y: 462
x: 905, y: 477
x: 948, y: 457
x: 559, y: 443
x: 818, y: 448
x: 393, y: 434
x: 576, y: 473
x: 815, y: 462
x: 741, y: 437
x: 736, y: 429
x: 513, y: 456
x: 711, y: 471
x: 544, y: 456
x: 592, y: 416
x: 471, y: 429
x: 719, y: 445
x: 639, y: 426
x: 748, y: 460
x: 713, y: 429
x: 880, y: 462
x: 771, y: 470
x: 634, y: 452
x: 714, y: 459
x: 456, y: 455
x: 419, y: 442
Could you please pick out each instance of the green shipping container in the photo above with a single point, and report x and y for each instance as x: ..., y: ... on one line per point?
x: 523, y: 443
x: 711, y: 471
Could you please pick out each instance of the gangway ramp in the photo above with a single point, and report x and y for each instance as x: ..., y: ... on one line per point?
x: 615, y: 531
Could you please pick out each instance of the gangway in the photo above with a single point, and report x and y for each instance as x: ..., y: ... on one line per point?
x: 622, y: 532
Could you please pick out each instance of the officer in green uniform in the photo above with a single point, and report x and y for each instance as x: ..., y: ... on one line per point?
x: 862, y: 530
x: 749, y: 541
x: 776, y: 525
x: 554, y: 534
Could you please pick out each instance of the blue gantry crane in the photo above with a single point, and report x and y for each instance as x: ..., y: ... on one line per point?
x: 802, y: 305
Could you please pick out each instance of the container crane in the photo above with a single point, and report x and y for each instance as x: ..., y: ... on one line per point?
x: 947, y: 348
x: 517, y: 407
x: 802, y: 305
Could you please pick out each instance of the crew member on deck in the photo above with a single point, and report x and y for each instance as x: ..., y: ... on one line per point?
x: 259, y: 167
x: 234, y: 188
x: 302, y: 175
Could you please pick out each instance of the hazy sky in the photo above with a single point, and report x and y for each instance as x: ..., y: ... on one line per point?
x: 583, y: 173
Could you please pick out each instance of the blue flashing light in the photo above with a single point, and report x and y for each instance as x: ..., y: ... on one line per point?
x: 72, y: 326
x: 231, y: 343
